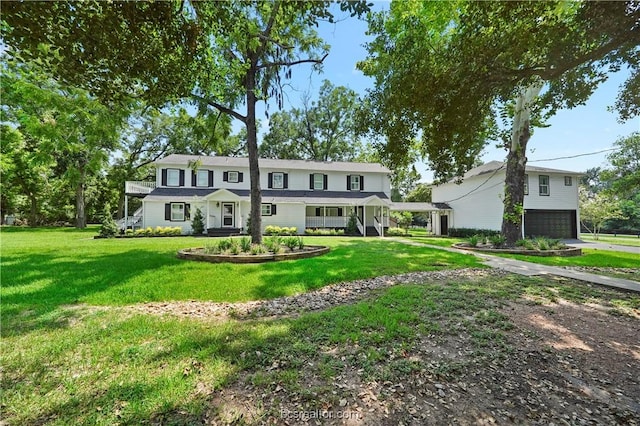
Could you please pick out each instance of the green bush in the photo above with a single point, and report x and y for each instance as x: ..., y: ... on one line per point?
x: 197, y: 223
x: 300, y: 243
x: 396, y: 232
x: 497, y: 240
x: 352, y: 224
x: 282, y: 231
x: 473, y: 240
x: 245, y: 244
x: 109, y: 227
x: 257, y: 249
x: 291, y: 243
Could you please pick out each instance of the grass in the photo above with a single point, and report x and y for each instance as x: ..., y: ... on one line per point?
x: 71, y: 354
x: 623, y: 240
x: 109, y: 366
x: 47, y: 268
x: 589, y: 258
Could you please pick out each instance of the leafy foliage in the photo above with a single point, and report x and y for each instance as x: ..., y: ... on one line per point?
x: 197, y: 223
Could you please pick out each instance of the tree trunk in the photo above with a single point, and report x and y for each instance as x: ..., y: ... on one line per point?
x: 252, y: 148
x: 33, y: 214
x: 81, y: 217
x: 516, y: 164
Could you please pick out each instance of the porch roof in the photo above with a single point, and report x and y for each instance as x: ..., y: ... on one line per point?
x: 419, y: 207
x: 274, y: 196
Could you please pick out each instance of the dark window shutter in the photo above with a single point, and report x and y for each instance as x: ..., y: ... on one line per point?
x: 339, y: 211
x: 225, y: 176
x: 187, y: 211
x: 361, y: 183
x: 193, y: 178
x: 348, y: 182
x: 164, y: 177
x: 317, y: 211
x: 181, y: 177
x: 273, y: 209
x: 286, y: 181
x: 240, y: 176
x: 311, y: 181
x: 167, y: 211
x: 270, y: 181
x: 210, y: 178
x: 326, y: 180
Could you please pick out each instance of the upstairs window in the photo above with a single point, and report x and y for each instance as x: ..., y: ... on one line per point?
x: 173, y: 177
x: 318, y: 181
x: 278, y: 180
x: 202, y: 178
x: 568, y: 181
x: 233, y: 177
x: 355, y: 183
x: 543, y: 184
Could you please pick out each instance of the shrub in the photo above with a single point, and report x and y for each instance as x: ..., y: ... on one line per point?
x: 470, y: 232
x: 248, y: 225
x: 257, y: 249
x: 245, y: 244
x: 473, y: 240
x: 527, y: 244
x: 291, y: 243
x: 497, y: 240
x: 235, y: 248
x: 300, y: 243
x: 277, y: 230
x: 273, y: 244
x: 197, y: 222
x: 128, y: 232
x: 352, y: 224
x: 139, y: 233
x: 396, y: 232
x: 224, y: 245
x: 109, y: 227
x: 271, y: 230
x: 542, y: 243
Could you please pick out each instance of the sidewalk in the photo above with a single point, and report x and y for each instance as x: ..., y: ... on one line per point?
x: 602, y: 246
x: 527, y: 268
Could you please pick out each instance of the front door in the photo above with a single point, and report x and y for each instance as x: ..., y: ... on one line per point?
x: 228, y: 215
x: 444, y: 225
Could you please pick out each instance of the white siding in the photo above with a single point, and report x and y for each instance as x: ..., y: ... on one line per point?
x: 287, y: 214
x: 153, y: 215
x: 478, y: 202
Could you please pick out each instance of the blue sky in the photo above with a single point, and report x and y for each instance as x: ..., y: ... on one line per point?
x: 584, y: 129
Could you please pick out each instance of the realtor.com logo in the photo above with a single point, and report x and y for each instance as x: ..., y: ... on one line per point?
x: 318, y: 414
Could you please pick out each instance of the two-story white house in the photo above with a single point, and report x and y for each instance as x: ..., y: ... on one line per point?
x: 551, y: 206
x: 295, y: 193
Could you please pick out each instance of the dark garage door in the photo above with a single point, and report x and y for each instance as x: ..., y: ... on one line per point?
x: 550, y: 223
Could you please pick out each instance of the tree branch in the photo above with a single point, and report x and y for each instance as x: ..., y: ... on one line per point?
x: 291, y: 63
x: 221, y: 108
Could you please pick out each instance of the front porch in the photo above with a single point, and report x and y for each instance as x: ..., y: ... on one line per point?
x: 371, y: 220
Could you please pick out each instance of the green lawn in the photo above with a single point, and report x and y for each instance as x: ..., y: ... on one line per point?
x: 437, y: 241
x: 46, y: 268
x: 623, y: 240
x: 595, y: 258
x: 65, y: 362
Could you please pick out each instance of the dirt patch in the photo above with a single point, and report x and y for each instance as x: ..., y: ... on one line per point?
x: 560, y: 363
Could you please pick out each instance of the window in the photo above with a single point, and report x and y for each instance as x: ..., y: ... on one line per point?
x: 177, y: 212
x: 526, y: 184
x: 202, y: 178
x: 355, y: 183
x: 232, y: 177
x: 278, y: 181
x: 318, y: 181
x: 173, y: 177
x: 268, y: 209
x: 543, y: 183
x: 568, y: 181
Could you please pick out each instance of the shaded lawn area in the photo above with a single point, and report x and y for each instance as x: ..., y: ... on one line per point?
x: 43, y: 269
x: 437, y: 241
x: 108, y: 365
x: 623, y: 240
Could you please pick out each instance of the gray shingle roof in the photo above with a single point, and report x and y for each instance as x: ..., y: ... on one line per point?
x: 492, y: 166
x: 267, y: 163
x: 269, y: 196
x: 419, y: 207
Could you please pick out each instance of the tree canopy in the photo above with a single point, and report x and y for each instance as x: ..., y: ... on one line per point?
x: 449, y: 73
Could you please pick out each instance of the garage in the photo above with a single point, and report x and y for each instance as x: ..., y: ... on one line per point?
x: 550, y: 223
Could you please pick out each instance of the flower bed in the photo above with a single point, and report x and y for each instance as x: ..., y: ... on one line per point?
x: 200, y: 253
x: 488, y: 248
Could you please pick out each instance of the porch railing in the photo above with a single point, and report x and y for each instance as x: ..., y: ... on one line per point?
x: 131, y: 221
x: 326, y: 221
x: 360, y: 226
x: 139, y: 187
x: 378, y: 225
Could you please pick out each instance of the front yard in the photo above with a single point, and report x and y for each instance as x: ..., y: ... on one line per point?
x: 81, y: 345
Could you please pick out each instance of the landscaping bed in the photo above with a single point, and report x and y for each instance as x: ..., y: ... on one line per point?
x: 199, y: 253
x: 488, y: 248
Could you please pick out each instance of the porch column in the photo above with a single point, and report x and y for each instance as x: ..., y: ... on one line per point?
x: 364, y: 221
x: 126, y: 211
x: 324, y: 216
x: 382, y: 224
x: 207, y: 222
x: 240, y: 215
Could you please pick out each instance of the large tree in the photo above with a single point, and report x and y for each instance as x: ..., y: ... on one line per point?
x: 448, y: 71
x: 322, y: 130
x: 223, y: 54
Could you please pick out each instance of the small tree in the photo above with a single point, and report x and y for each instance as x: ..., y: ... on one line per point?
x: 352, y: 224
x: 197, y: 223
x: 404, y: 219
x: 109, y: 227
x: 596, y: 209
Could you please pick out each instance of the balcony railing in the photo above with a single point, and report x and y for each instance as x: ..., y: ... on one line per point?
x: 139, y: 187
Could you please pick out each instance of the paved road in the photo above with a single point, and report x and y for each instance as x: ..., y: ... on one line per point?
x: 603, y: 246
x: 529, y: 269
